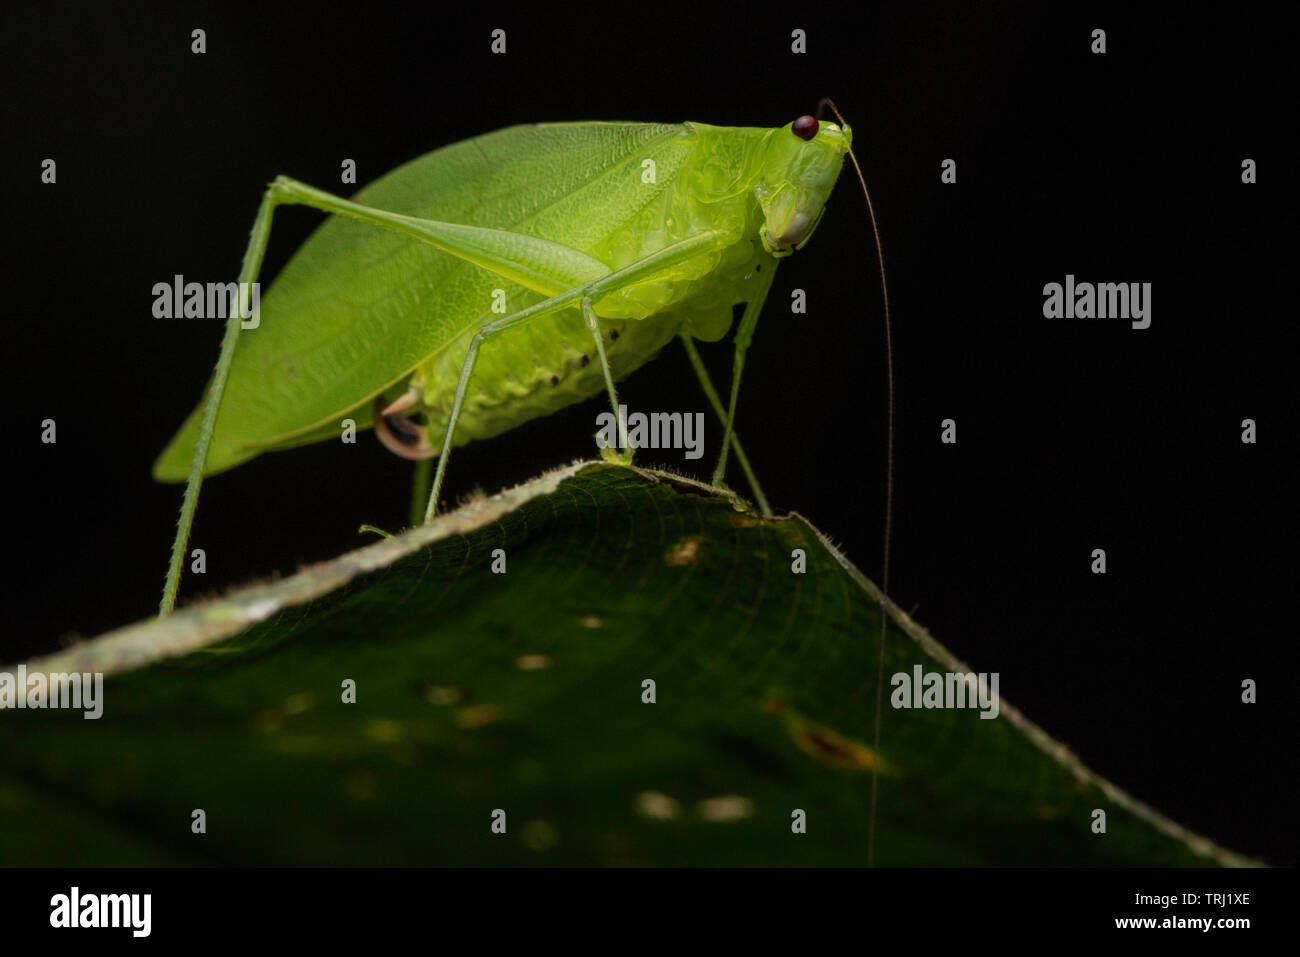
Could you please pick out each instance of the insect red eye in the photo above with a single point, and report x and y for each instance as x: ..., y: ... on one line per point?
x: 805, y: 127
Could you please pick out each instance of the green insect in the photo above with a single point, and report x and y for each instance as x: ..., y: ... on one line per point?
x: 501, y: 278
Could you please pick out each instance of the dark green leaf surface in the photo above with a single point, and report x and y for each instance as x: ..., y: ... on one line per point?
x: 522, y: 691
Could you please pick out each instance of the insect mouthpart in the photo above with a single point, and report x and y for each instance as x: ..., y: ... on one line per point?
x: 777, y: 249
x: 795, y: 229
x: 794, y: 233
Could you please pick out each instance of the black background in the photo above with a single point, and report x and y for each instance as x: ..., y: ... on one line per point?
x: 1072, y: 435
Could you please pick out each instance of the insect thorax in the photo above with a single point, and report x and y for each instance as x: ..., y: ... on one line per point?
x: 700, y: 198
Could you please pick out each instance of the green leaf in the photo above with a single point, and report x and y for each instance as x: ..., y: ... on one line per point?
x: 523, y: 691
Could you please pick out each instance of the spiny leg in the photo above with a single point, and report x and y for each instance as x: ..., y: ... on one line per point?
x: 642, y: 269
x: 707, y: 384
x: 282, y: 192
x: 248, y: 272
x: 744, y: 335
x: 467, y: 370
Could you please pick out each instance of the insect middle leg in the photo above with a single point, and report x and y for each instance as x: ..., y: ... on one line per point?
x: 467, y: 370
x: 586, y: 294
x: 744, y: 336
x: 712, y: 394
x: 621, y: 458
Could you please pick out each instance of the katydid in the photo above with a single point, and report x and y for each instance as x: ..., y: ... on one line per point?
x: 502, y: 278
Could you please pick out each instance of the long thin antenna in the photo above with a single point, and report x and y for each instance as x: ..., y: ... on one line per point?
x: 889, y: 483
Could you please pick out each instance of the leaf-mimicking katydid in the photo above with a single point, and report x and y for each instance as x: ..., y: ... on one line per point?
x: 501, y: 278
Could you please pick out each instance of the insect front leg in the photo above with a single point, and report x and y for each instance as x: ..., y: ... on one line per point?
x: 744, y: 336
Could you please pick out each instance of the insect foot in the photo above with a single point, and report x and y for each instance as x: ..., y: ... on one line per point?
x: 616, y: 457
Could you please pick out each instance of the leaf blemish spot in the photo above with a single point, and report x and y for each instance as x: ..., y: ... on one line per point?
x: 478, y: 715
x: 384, y: 730
x: 539, y: 835
x: 832, y: 748
x: 441, y: 694
x: 730, y: 807
x: 298, y: 703
x: 684, y: 553
x: 657, y: 806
